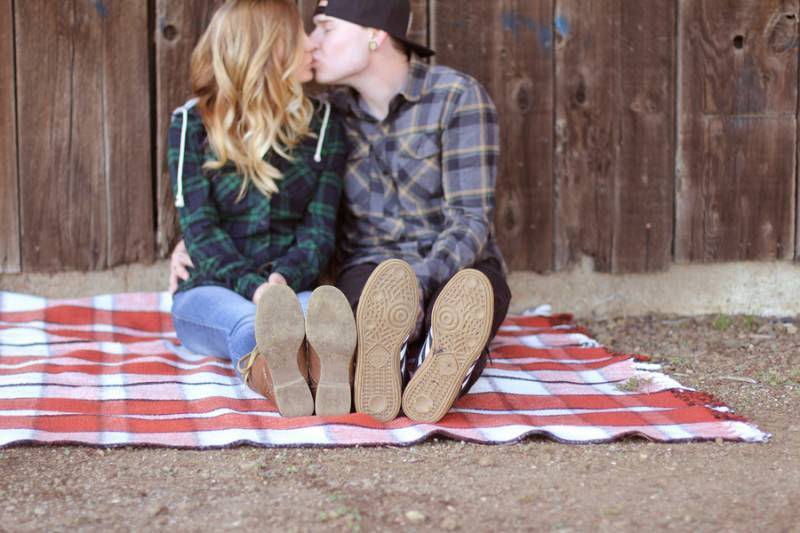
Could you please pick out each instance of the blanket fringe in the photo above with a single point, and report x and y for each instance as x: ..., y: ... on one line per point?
x: 695, y: 398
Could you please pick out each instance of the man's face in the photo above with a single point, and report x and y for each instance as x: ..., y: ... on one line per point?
x: 341, y: 50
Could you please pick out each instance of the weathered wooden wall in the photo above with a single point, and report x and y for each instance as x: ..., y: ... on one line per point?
x: 614, y: 127
x: 83, y: 141
x: 738, y: 130
x: 635, y: 134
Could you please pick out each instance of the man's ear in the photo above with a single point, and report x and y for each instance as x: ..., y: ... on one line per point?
x: 379, y: 36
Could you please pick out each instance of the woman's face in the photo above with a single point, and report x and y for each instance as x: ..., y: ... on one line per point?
x: 341, y: 49
x: 304, y: 72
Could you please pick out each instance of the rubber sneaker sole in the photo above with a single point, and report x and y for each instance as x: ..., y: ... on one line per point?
x: 280, y: 332
x: 385, y: 317
x: 461, y: 322
x: 331, y: 332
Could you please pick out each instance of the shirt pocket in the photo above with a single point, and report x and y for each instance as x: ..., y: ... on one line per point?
x: 418, y: 165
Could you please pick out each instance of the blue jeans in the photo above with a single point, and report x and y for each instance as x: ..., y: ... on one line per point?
x: 217, y: 321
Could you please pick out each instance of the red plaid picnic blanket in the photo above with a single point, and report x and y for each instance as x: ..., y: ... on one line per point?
x: 109, y: 371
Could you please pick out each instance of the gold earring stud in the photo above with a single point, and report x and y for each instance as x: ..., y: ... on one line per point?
x: 373, y: 45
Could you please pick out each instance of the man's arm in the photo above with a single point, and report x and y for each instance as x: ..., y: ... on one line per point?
x: 470, y: 154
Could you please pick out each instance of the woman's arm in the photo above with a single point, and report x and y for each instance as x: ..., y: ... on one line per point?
x: 470, y: 154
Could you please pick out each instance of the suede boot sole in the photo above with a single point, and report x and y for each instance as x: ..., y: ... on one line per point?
x: 385, y: 318
x: 331, y: 332
x: 280, y: 331
x: 461, y: 323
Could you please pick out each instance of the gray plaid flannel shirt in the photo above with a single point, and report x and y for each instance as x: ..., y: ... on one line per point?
x: 419, y: 185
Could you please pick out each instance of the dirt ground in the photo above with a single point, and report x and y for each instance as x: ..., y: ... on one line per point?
x: 751, y: 364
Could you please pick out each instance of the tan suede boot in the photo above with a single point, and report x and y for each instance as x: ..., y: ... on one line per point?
x: 277, y: 368
x: 331, y: 342
x: 256, y: 375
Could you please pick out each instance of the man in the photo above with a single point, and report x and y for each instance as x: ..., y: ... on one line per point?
x: 416, y: 238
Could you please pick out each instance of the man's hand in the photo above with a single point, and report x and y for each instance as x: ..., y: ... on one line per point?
x: 274, y: 279
x: 179, y: 262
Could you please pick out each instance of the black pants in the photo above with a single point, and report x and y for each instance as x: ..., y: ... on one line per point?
x: 351, y: 282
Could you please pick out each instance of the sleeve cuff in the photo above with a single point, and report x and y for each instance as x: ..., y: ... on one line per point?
x: 247, y: 284
x: 293, y: 277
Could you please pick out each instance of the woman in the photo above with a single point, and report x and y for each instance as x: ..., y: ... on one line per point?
x: 256, y: 167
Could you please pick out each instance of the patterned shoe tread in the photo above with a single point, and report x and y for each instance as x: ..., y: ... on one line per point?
x: 385, y: 318
x: 461, y: 323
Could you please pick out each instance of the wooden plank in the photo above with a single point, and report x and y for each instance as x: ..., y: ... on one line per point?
x: 63, y: 194
x: 645, y: 185
x: 84, y: 163
x: 508, y: 47
x: 307, y: 8
x: 736, y: 159
x: 588, y: 131
x: 179, y: 25
x: 9, y: 183
x: 418, y: 32
x: 615, y: 94
x: 126, y: 124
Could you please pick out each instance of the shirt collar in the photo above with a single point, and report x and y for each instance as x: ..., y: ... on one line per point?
x: 344, y: 99
x: 417, y: 75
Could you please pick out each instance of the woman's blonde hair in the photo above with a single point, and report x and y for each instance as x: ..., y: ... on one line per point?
x: 241, y: 74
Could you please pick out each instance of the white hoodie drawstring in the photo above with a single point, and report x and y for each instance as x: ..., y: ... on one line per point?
x: 325, y: 119
x: 179, y: 196
x: 184, y: 111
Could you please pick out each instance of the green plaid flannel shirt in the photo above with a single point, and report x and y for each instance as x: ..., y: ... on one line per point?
x: 420, y: 184
x: 237, y: 245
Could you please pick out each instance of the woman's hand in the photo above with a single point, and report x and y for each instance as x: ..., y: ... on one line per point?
x: 179, y: 262
x: 274, y: 279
